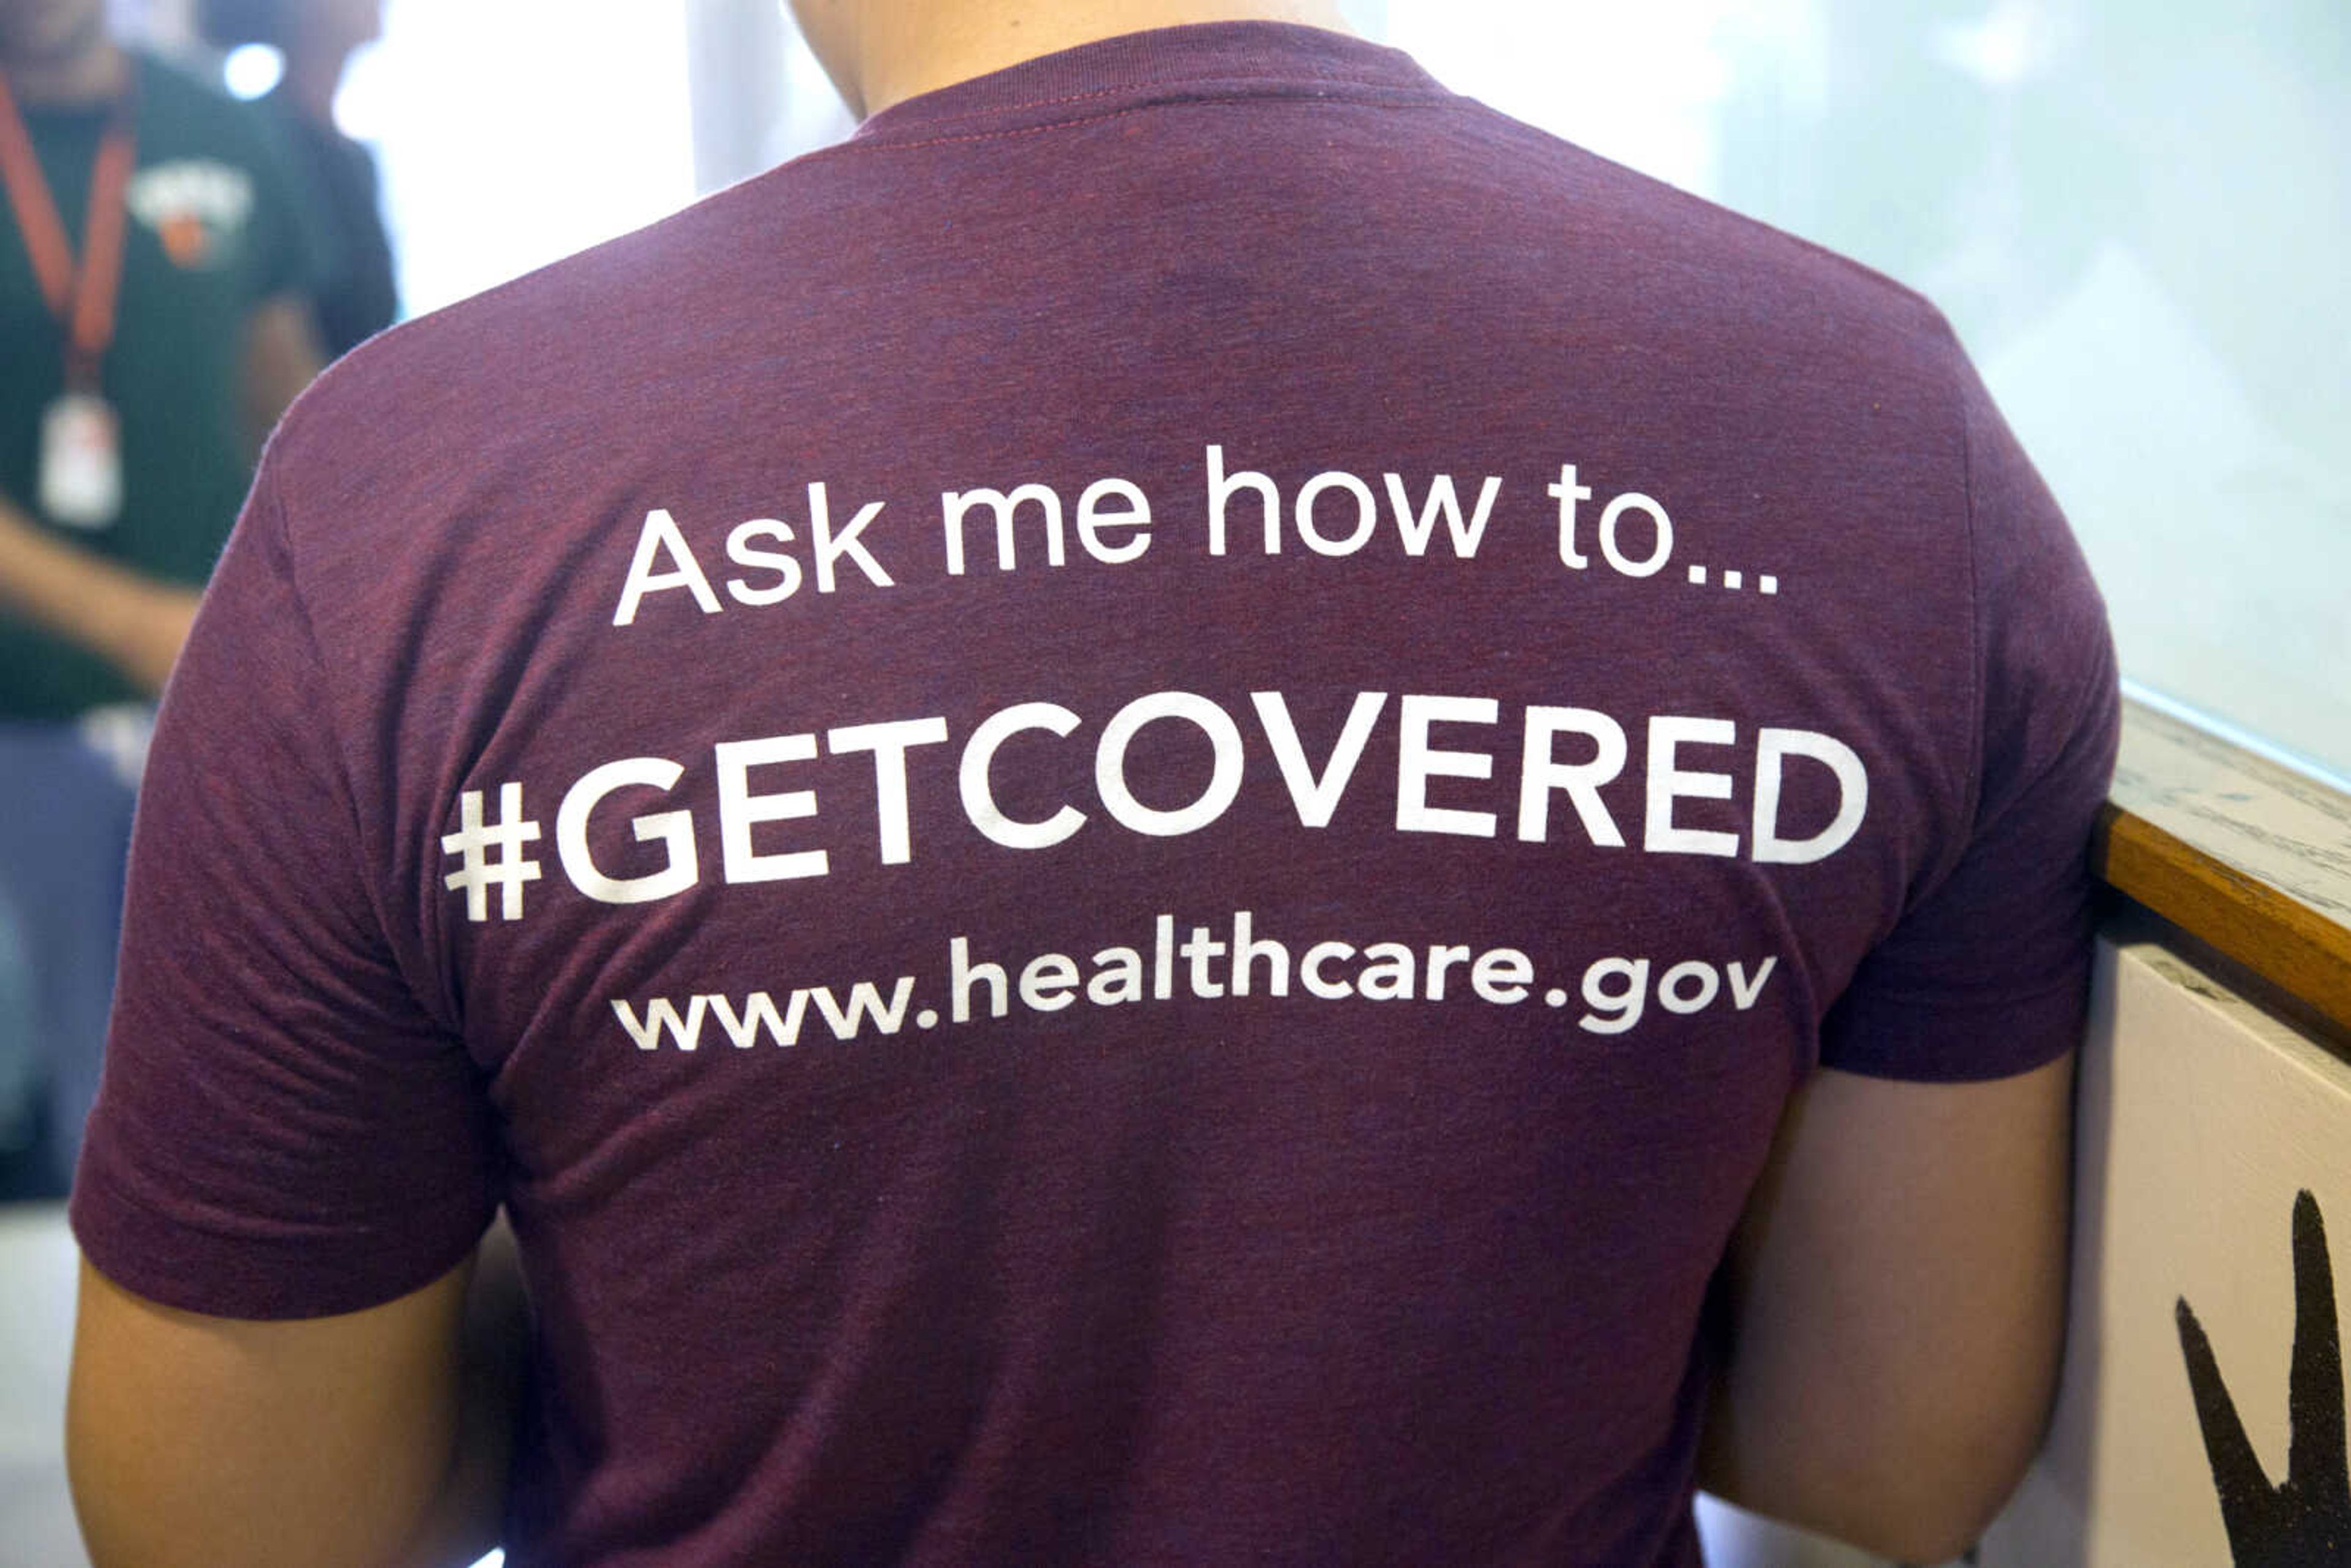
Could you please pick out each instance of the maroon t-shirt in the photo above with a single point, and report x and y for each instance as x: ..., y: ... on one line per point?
x: 1117, y: 816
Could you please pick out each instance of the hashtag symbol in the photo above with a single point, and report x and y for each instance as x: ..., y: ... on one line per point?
x: 474, y: 840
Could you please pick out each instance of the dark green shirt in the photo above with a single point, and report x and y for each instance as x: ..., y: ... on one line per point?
x: 215, y: 232
x: 358, y: 295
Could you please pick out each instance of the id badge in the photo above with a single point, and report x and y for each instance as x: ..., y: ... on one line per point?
x: 82, y: 462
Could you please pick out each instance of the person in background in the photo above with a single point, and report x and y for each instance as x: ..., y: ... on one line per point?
x: 1200, y: 809
x: 154, y: 320
x: 316, y: 38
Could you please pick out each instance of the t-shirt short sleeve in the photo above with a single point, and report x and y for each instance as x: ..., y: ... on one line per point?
x: 282, y: 1129
x: 1987, y: 973
x: 293, y: 248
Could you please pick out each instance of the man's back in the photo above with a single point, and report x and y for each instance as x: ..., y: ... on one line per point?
x: 1010, y: 1029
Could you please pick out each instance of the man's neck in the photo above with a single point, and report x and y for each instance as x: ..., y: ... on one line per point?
x: 911, y: 46
x: 311, y: 83
x: 92, y: 76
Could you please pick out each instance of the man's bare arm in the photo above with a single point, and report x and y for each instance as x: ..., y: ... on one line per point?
x: 133, y: 622
x: 282, y: 356
x: 1897, y: 1296
x: 376, y: 1439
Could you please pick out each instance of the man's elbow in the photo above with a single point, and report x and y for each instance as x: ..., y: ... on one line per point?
x: 1934, y: 1517
x: 1921, y: 1487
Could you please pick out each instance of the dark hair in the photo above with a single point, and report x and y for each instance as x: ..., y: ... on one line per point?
x: 225, y: 24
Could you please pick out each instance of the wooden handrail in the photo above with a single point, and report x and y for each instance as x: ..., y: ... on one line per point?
x: 2251, y: 858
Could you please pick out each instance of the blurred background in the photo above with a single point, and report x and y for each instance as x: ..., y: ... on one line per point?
x: 2136, y: 213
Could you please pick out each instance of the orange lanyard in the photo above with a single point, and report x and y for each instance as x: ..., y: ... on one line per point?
x: 83, y: 303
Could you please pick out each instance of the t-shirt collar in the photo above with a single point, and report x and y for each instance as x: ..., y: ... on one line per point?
x: 1201, y: 60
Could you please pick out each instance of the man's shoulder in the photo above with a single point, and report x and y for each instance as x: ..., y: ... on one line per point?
x: 1695, y: 253
x: 546, y: 363
x: 538, y: 344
